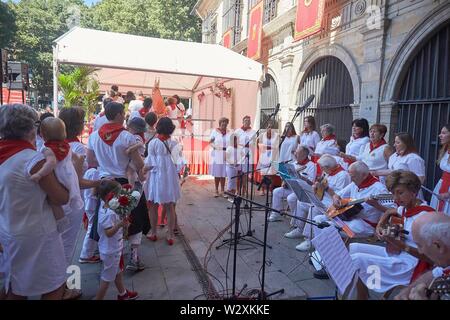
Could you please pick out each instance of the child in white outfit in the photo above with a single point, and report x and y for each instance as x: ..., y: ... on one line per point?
x: 110, y: 229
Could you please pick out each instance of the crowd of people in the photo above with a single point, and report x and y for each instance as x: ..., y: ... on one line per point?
x: 51, y: 183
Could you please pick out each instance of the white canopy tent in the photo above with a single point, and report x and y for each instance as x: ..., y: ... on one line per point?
x: 134, y: 62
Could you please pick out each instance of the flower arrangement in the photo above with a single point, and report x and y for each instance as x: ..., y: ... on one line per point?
x: 123, y: 202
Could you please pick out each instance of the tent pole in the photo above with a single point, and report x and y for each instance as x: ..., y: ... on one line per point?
x: 55, y: 81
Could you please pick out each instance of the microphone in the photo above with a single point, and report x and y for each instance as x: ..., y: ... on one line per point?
x: 306, y: 103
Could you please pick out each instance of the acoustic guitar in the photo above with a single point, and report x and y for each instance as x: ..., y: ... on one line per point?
x: 350, y: 207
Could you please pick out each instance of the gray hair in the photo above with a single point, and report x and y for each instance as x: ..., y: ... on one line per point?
x: 360, y: 167
x: 302, y: 147
x: 328, y: 128
x: 327, y: 161
x: 433, y: 231
x: 16, y: 121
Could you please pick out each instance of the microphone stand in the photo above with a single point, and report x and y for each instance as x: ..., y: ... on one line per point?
x: 249, y: 233
x: 237, y: 201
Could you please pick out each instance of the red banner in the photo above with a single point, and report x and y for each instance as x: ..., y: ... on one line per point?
x: 309, y: 18
x: 13, y: 96
x: 227, y: 39
x: 255, y: 31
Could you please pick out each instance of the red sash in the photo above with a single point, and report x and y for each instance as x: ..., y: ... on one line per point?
x: 368, y: 181
x: 8, y: 148
x: 60, y: 148
x: 377, y: 145
x: 109, y: 132
x: 444, y: 188
x: 330, y: 137
x: 336, y: 170
x: 163, y: 137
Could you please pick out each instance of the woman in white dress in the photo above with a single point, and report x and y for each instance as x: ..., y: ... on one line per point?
x: 358, y: 140
x: 309, y: 136
x: 163, y: 185
x: 268, y: 145
x: 405, y: 158
x: 328, y: 144
x: 219, y: 141
x: 443, y: 185
x: 397, y: 263
x: 289, y: 142
x: 33, y: 252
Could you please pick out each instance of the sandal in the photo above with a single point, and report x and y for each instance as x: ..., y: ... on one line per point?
x: 170, y: 242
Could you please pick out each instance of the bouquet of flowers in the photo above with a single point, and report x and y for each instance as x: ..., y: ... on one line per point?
x: 123, y: 203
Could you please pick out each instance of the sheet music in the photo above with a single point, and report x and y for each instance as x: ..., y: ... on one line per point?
x: 336, y: 257
x: 301, y: 189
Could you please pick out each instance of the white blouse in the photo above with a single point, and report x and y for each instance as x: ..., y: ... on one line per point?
x: 288, y: 148
x: 310, y: 139
x: 353, y: 148
x: 411, y: 162
x: 327, y: 147
x: 374, y: 159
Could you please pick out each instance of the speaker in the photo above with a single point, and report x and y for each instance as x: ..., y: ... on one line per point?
x: 25, y: 76
x: 3, y: 66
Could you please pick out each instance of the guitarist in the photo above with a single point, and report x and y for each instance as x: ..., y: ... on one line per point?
x: 302, y: 165
x: 336, y: 179
x: 431, y: 232
x: 399, y: 262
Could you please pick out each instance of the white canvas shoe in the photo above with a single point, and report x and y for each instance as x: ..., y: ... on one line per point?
x: 304, y: 246
x: 294, y: 234
x: 274, y: 216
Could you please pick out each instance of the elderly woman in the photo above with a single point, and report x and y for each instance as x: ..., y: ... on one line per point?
x: 219, y: 141
x: 33, y: 251
x: 328, y: 144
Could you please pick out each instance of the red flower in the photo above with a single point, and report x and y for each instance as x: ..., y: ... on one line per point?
x: 123, y: 200
x: 127, y: 186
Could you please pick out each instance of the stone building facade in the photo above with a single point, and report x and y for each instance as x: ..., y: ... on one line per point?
x: 385, y: 60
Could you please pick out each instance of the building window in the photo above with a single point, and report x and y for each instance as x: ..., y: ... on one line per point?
x: 209, y: 28
x: 232, y: 19
x: 270, y: 9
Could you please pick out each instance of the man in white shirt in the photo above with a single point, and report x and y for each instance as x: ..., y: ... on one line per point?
x: 431, y: 232
x: 336, y: 179
x: 108, y: 147
x: 305, y: 166
x: 138, y: 104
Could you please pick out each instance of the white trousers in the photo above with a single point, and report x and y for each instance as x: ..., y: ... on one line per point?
x: 69, y: 236
x: 283, y: 193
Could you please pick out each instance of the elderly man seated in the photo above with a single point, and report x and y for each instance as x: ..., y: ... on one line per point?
x: 335, y: 178
x: 303, y: 165
x: 431, y: 232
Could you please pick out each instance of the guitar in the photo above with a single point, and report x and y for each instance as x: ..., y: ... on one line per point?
x: 351, y: 207
x: 440, y: 287
x: 394, y: 228
x: 321, y: 186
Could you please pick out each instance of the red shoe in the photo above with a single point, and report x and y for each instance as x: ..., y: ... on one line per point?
x: 129, y: 295
x: 152, y: 238
x: 170, y: 242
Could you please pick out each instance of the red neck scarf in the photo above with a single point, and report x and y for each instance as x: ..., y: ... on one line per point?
x: 163, y: 137
x: 377, y: 145
x: 368, y: 181
x: 245, y: 129
x: 304, y: 162
x: 143, y: 112
x: 60, y: 148
x: 101, y: 114
x: 73, y: 140
x: 141, y: 134
x: 8, y: 148
x: 336, y: 170
x: 408, y: 213
x: 223, y: 132
x: 173, y: 107
x: 109, y: 132
x: 330, y: 137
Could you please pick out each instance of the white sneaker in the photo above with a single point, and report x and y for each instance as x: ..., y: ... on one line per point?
x: 274, y: 216
x: 294, y: 234
x: 304, y: 246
